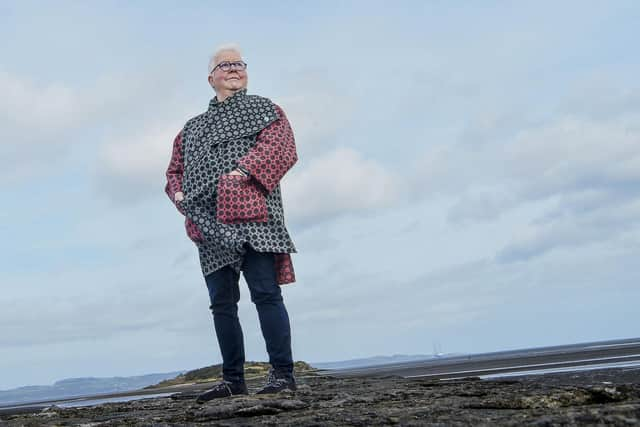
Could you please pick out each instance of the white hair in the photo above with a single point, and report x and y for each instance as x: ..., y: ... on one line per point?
x: 222, y: 48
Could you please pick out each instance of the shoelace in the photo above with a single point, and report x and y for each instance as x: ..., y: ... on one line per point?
x: 273, y: 380
x: 222, y: 385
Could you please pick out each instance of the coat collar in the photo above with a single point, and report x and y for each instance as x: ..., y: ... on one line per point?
x: 214, y: 103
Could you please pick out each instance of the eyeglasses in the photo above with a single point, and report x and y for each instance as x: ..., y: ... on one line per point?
x: 228, y: 66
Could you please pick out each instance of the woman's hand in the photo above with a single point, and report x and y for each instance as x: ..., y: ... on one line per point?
x: 179, y: 196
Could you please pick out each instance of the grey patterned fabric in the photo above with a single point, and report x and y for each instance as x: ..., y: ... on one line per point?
x: 213, y: 142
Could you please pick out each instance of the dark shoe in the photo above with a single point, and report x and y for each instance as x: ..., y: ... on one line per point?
x: 277, y: 382
x: 223, y: 389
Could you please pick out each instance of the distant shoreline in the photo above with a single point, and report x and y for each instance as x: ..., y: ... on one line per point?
x: 503, y: 362
x: 578, y: 356
x: 30, y: 407
x: 594, y: 397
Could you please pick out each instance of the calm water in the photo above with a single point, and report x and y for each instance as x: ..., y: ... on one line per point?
x: 83, y: 402
x: 633, y: 364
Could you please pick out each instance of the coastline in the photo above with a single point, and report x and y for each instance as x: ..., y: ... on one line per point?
x: 594, y: 397
x: 565, y: 383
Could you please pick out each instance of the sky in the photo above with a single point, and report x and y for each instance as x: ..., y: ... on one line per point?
x: 468, y: 178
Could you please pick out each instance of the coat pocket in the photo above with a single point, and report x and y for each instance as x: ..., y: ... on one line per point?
x: 240, y: 200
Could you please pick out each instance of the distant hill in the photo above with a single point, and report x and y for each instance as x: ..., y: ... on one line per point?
x: 74, y: 387
x: 214, y: 373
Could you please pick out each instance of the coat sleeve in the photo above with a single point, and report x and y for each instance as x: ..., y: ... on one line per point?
x: 174, y: 171
x: 274, y: 153
x: 174, y: 185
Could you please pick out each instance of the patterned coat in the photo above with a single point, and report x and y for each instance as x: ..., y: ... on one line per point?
x: 246, y: 131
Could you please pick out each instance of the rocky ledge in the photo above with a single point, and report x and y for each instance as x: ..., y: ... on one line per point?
x: 598, y: 397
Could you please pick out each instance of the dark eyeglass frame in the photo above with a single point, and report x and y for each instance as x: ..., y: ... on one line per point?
x: 227, y: 66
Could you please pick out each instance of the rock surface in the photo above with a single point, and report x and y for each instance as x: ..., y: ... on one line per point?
x: 603, y: 397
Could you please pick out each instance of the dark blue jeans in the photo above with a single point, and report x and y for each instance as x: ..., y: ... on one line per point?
x: 259, y: 272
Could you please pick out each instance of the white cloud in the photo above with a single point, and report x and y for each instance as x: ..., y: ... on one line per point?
x: 33, y: 118
x: 315, y: 123
x: 568, y: 227
x: 481, y: 205
x: 575, y: 153
x: 584, y: 166
x: 535, y: 239
x: 134, y: 168
x: 338, y: 182
x: 136, y: 290
x: 45, y: 108
x: 598, y: 97
x: 36, y: 109
x: 43, y: 122
x: 316, y: 109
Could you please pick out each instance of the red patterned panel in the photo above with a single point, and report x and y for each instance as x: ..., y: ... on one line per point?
x: 240, y: 200
x: 192, y: 231
x: 174, y: 171
x: 274, y: 153
x: 174, y: 185
x: 284, y: 269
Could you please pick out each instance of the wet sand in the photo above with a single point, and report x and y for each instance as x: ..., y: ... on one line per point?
x: 504, y: 362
